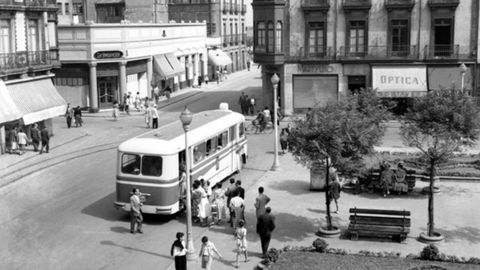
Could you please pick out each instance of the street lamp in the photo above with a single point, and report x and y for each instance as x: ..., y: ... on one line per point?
x: 275, y: 80
x: 463, y: 70
x: 186, y: 117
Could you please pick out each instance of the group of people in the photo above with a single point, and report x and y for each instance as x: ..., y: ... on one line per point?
x: 233, y: 197
x: 17, y: 139
x: 391, y: 179
x: 74, y: 114
x: 247, y: 104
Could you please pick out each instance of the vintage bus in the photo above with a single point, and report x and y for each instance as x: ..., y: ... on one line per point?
x: 217, y: 148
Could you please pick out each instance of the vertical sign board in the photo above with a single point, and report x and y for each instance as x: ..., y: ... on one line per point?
x: 398, y: 81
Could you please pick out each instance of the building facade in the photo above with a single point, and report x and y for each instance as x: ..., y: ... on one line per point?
x: 226, y: 30
x: 28, y: 53
x: 103, y: 60
x: 401, y: 48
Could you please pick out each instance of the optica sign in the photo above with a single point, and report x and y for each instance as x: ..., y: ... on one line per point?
x: 399, y: 79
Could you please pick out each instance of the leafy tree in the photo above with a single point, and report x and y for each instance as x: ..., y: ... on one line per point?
x: 438, y: 124
x: 339, y: 135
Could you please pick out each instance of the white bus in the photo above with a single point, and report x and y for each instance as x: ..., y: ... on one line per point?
x: 217, y: 149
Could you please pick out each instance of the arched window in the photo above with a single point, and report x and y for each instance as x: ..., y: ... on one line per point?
x: 278, y: 37
x: 270, y: 37
x: 261, y: 36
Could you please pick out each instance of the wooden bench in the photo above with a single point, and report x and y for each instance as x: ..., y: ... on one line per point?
x: 372, y: 181
x: 379, y: 223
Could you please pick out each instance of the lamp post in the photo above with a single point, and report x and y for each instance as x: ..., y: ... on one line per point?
x: 463, y: 70
x: 275, y: 80
x: 186, y: 117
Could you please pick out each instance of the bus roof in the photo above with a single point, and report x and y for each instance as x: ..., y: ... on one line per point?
x: 169, y: 139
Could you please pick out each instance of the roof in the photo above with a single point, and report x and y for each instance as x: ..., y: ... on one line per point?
x: 169, y: 139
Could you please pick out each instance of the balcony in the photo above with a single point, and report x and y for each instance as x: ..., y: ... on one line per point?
x: 399, y: 4
x: 443, y: 3
x: 397, y: 52
x: 244, y: 9
x: 322, y: 54
x: 349, y: 5
x: 448, y: 52
x: 226, y: 7
x: 226, y: 40
x: 244, y: 38
x: 20, y: 62
x: 28, y: 4
x: 315, y: 5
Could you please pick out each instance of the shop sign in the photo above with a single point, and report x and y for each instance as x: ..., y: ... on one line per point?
x: 108, y: 54
x: 315, y: 68
x: 399, y: 79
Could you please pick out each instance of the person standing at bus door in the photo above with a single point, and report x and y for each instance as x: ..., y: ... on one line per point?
x: 219, y: 201
x: 179, y: 252
x: 229, y: 193
x: 154, y: 116
x: 136, y: 217
x: 204, y: 208
x: 240, y: 189
x: 196, y: 198
x: 36, y: 137
x: 45, y: 140
x: 182, y: 188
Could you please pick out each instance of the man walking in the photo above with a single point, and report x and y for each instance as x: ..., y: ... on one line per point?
x: 260, y: 202
x: 45, y: 140
x: 36, y: 136
x: 154, y: 116
x: 69, y: 115
x: 265, y: 227
x: 136, y: 217
x: 242, y: 101
x: 251, y: 105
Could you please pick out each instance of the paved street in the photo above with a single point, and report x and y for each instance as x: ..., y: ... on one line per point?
x: 58, y: 211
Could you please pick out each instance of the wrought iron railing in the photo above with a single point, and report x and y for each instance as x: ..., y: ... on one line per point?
x: 453, y: 51
x: 319, y: 53
x: 24, y: 60
x: 379, y: 52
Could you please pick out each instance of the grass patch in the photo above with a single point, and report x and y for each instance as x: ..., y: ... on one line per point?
x: 319, y: 261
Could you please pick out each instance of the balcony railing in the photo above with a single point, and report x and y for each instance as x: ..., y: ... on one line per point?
x: 448, y: 52
x: 390, y: 4
x: 226, y: 40
x: 379, y: 52
x: 244, y: 9
x: 321, y: 53
x: 28, y: 3
x: 443, y: 3
x: 357, y: 4
x: 226, y: 7
x: 315, y: 4
x: 25, y: 60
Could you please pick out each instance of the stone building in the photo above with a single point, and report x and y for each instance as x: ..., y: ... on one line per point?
x: 110, y: 48
x: 225, y: 30
x: 28, y: 53
x: 401, y: 48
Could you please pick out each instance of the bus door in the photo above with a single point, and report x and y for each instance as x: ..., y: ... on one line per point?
x: 233, y: 154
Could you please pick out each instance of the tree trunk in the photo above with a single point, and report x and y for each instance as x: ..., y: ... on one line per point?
x: 327, y: 197
x: 430, y: 199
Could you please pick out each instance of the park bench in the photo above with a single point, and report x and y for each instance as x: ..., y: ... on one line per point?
x: 379, y: 223
x: 372, y: 180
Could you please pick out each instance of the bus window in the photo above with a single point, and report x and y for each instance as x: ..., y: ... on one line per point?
x: 130, y: 164
x: 211, y: 146
x: 232, y: 133
x: 151, y: 166
x: 222, y: 140
x: 199, y: 153
x: 241, y: 131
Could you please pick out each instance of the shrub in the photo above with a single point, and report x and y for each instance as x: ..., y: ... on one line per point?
x: 474, y: 260
x: 320, y: 245
x: 429, y: 252
x: 273, y: 254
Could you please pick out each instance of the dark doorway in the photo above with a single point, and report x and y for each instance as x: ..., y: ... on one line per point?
x: 356, y: 83
x: 443, y: 37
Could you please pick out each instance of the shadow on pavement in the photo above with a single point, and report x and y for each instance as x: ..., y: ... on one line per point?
x: 104, y: 209
x: 111, y: 243
x: 119, y: 229
x: 377, y: 194
x: 292, y: 227
x: 468, y: 234
x: 294, y: 187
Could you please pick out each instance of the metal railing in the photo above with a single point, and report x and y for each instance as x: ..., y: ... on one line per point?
x: 24, y: 60
x: 320, y: 53
x: 399, y: 2
x: 315, y: 3
x: 448, y: 52
x: 356, y: 3
x: 379, y: 52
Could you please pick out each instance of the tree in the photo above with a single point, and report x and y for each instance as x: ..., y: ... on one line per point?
x: 438, y: 124
x: 339, y: 135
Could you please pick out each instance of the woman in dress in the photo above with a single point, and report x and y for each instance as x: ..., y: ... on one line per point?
x: 204, y: 207
x: 241, y: 241
x: 196, y: 198
x: 218, y: 199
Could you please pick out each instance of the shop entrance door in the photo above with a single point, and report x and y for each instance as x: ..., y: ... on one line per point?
x: 107, y: 88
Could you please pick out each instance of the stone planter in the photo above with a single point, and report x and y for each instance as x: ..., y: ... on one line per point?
x: 324, y: 232
x: 437, y: 237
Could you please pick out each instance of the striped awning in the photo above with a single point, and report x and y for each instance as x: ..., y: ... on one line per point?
x: 37, y: 100
x: 8, y: 109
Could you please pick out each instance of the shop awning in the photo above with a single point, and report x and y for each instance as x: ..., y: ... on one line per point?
x: 37, y: 100
x: 167, y: 65
x: 8, y: 109
x: 105, y: 2
x: 399, y: 81
x: 218, y: 57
